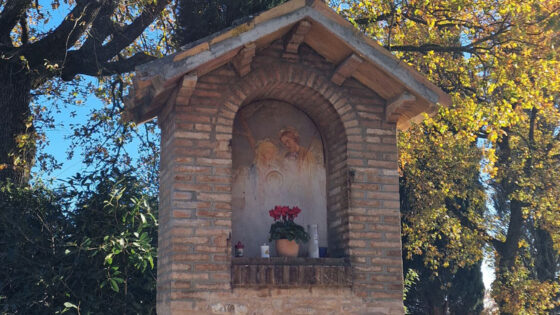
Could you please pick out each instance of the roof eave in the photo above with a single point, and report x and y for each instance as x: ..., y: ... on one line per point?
x: 170, y: 69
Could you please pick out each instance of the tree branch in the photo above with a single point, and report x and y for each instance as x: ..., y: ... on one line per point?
x: 93, y: 59
x: 364, y: 21
x: 101, y: 27
x: 9, y: 17
x: 24, y: 29
x: 126, y: 35
x: 431, y: 47
x: 470, y: 48
x: 55, y: 45
x: 465, y: 221
x: 91, y: 67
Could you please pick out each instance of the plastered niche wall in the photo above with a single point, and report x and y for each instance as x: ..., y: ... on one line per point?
x: 278, y: 159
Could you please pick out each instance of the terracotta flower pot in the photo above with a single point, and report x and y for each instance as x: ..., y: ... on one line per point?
x: 286, y: 248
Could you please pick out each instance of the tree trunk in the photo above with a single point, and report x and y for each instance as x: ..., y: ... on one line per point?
x: 437, y: 310
x: 509, y: 251
x: 17, y: 135
x: 546, y: 259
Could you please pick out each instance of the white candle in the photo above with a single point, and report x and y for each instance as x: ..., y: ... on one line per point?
x: 265, y: 251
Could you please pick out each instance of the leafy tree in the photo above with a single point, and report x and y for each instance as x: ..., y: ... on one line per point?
x: 114, y: 241
x: 95, y: 38
x: 456, y: 286
x: 89, y: 249
x: 460, y: 292
x: 32, y: 237
x: 466, y: 294
x: 499, y: 61
x: 199, y: 18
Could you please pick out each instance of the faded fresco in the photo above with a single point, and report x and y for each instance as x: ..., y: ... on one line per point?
x: 277, y: 160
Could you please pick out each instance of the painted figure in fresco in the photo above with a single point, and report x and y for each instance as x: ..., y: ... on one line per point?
x: 266, y: 169
x: 290, y: 139
x: 263, y: 179
x: 305, y: 177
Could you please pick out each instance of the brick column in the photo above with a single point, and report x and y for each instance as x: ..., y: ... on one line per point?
x: 374, y: 221
x: 195, y: 210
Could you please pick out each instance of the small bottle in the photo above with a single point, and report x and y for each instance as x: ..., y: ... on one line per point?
x: 313, y: 240
x: 239, y: 249
x: 265, y: 251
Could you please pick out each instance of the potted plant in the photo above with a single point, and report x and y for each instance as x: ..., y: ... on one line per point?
x: 285, y: 231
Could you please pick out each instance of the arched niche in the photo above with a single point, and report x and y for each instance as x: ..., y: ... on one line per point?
x: 278, y: 159
x: 314, y: 96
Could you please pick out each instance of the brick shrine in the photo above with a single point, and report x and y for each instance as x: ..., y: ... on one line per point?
x: 297, y: 57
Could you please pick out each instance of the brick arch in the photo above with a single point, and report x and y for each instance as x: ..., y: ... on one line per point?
x: 323, y: 102
x: 265, y: 81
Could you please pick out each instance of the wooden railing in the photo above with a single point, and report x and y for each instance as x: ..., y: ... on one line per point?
x: 288, y: 272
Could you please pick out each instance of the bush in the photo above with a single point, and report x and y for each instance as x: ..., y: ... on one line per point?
x: 88, y: 248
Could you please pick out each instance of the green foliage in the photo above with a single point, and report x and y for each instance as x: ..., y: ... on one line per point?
x: 199, y: 18
x: 410, y: 278
x: 449, y: 277
x: 87, y: 249
x: 33, y: 263
x: 288, y: 229
x: 466, y: 294
x: 459, y: 292
x: 115, y: 228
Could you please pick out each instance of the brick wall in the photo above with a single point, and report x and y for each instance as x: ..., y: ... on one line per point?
x: 195, y: 183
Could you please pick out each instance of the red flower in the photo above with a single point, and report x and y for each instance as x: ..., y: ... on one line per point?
x: 296, y: 211
x: 284, y: 213
x: 276, y: 213
x: 293, y: 213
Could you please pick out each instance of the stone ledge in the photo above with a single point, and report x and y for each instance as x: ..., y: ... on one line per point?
x: 287, y: 272
x: 290, y: 261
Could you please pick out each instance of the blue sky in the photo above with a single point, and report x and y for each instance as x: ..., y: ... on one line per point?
x: 58, y: 136
x: 69, y: 114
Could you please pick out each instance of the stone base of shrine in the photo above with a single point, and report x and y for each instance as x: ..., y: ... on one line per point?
x: 266, y: 301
